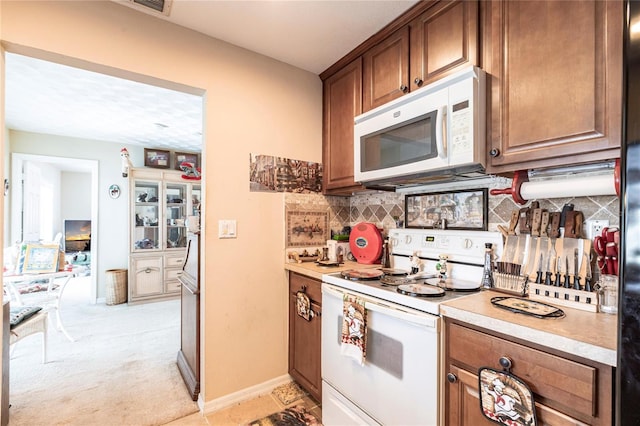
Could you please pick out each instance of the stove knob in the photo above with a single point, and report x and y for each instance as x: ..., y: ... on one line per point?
x: 468, y: 243
x: 407, y: 239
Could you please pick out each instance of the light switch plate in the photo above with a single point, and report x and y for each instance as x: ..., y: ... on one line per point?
x: 226, y: 228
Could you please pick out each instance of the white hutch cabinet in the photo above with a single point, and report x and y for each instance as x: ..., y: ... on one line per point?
x: 160, y: 202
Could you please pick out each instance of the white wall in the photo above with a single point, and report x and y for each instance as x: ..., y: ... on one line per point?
x: 254, y: 105
x: 113, y: 214
x: 75, y: 200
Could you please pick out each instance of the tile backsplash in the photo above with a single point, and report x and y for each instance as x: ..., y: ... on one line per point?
x: 384, y: 208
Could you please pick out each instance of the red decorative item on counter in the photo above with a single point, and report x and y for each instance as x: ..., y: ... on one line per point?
x: 365, y: 242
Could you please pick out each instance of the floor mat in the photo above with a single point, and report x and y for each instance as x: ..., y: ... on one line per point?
x: 288, y: 393
x: 292, y: 416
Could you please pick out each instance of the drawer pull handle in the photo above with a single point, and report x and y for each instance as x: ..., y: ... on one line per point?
x: 304, y: 288
x: 451, y: 378
x: 505, y: 362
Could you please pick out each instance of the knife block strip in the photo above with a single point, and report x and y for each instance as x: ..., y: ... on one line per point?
x: 577, y: 299
x: 510, y: 283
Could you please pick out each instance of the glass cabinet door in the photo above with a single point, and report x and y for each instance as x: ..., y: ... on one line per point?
x: 196, y: 197
x: 176, y: 215
x: 147, y: 210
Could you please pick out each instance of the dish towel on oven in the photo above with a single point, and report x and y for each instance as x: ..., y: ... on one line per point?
x: 354, y: 328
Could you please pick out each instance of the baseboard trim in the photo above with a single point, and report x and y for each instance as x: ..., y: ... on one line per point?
x: 244, y: 394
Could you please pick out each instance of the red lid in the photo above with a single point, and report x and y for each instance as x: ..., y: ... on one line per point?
x: 365, y: 242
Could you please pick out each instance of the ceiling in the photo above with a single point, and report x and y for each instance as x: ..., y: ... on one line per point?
x: 49, y: 98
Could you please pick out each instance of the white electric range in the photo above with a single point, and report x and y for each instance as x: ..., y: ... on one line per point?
x: 401, y: 378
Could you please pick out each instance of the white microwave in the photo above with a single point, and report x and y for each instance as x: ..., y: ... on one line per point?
x: 434, y: 133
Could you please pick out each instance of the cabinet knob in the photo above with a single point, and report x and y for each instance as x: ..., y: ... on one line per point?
x: 505, y: 363
x: 494, y: 152
x: 404, y: 88
x: 418, y: 81
x: 147, y: 271
x: 452, y: 378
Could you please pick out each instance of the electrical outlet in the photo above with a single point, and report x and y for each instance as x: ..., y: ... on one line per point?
x: 595, y: 227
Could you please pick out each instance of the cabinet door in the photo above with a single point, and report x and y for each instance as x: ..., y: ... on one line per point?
x: 146, y: 216
x: 175, y: 216
x: 146, y: 277
x: 556, y: 82
x: 443, y: 40
x: 463, y: 404
x: 385, y: 69
x: 463, y: 401
x: 342, y: 102
x: 304, y: 349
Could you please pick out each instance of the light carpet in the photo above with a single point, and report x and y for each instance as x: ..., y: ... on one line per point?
x: 121, y: 370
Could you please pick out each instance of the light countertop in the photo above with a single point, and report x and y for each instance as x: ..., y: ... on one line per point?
x: 313, y: 270
x: 581, y: 333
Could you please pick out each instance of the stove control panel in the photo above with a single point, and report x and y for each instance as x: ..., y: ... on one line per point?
x: 464, y: 246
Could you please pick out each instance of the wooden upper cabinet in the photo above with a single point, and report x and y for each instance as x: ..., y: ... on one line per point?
x: 555, y: 78
x: 386, y: 70
x: 342, y: 102
x: 439, y: 41
x: 443, y: 39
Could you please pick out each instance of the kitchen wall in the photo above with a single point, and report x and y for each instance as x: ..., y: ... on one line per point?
x: 253, y: 104
x: 382, y: 208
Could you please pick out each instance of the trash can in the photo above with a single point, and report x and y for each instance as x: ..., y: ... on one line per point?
x: 116, y: 286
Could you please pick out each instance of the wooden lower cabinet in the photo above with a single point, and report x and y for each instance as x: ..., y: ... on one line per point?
x: 304, y: 336
x: 567, y: 390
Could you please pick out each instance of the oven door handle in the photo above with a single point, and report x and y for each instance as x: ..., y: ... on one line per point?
x: 422, y: 319
x: 417, y: 318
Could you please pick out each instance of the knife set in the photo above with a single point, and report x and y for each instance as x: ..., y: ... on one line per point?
x: 539, y: 261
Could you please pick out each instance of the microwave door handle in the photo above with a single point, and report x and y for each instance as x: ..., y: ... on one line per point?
x: 441, y: 133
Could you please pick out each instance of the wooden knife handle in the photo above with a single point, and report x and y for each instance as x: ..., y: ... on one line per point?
x: 535, y: 222
x: 524, y: 222
x: 578, y: 221
x: 554, y: 230
x: 544, y: 223
x: 569, y: 224
x: 513, y: 222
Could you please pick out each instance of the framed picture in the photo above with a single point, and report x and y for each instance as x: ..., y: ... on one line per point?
x: 40, y: 258
x: 451, y: 210
x: 156, y: 158
x: 307, y: 228
x: 190, y: 157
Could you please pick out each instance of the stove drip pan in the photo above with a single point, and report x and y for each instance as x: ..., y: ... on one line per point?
x: 420, y: 290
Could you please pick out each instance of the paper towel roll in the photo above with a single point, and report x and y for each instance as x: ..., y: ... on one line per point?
x: 579, y: 186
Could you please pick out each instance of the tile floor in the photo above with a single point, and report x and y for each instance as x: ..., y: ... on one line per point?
x: 244, y: 412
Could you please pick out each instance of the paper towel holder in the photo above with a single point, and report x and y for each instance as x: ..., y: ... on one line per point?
x: 521, y: 188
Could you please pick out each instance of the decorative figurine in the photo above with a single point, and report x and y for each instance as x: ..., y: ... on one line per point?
x: 441, y: 267
x: 190, y: 170
x: 415, y: 263
x: 126, y: 163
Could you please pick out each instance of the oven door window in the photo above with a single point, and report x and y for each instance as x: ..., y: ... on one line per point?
x: 405, y: 143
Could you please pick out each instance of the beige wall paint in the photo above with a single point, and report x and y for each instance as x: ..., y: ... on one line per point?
x: 253, y: 105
